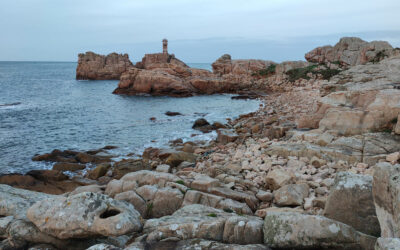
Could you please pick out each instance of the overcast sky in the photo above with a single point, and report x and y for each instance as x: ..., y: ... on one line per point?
x: 198, y: 31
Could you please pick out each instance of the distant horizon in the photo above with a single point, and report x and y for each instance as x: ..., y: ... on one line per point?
x: 393, y: 37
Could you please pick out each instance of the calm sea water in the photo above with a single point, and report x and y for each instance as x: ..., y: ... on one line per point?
x: 56, y: 111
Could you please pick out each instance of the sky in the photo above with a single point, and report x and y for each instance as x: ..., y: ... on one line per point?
x: 198, y: 31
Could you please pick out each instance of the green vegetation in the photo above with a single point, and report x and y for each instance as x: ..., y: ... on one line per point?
x: 379, y: 57
x: 212, y: 215
x: 149, y: 209
x: 300, y: 73
x: 303, y: 73
x: 180, y: 182
x: 270, y: 70
x: 394, y: 121
x: 228, y: 210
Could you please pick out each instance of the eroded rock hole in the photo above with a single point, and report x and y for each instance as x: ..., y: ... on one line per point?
x: 109, y: 213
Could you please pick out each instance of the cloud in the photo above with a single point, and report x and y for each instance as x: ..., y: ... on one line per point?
x: 57, y: 30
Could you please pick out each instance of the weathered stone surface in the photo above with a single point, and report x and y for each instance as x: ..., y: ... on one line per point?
x: 177, y: 158
x: 368, y: 148
x: 15, y: 201
x: 387, y: 244
x: 225, y: 65
x: 295, y: 230
x: 386, y: 192
x: 204, y: 183
x: 84, y: 215
x: 92, y: 66
x: 351, y: 51
x: 194, y: 244
x: 125, y: 166
x: 196, y: 197
x: 291, y: 195
x: 226, y: 135
x: 350, y: 201
x: 278, y: 178
x: 198, y: 221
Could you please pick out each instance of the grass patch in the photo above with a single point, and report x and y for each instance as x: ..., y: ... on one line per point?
x: 212, y: 215
x: 180, y: 182
x: 300, y: 73
x: 303, y: 73
x: 270, y: 70
x: 379, y: 56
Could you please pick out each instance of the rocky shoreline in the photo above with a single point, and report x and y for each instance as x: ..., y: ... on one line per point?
x: 316, y: 167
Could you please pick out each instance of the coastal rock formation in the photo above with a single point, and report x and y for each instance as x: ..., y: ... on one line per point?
x: 161, y: 74
x: 198, y: 221
x: 386, y: 186
x: 351, y: 51
x: 92, y: 66
x: 362, y: 99
x: 295, y: 230
x: 84, y: 215
x: 350, y: 201
x: 225, y: 65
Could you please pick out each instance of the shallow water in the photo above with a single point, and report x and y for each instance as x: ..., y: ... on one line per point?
x: 43, y: 107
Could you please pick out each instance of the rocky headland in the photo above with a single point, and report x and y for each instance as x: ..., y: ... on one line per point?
x: 316, y: 167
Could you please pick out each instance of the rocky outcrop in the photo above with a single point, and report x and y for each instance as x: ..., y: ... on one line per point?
x: 350, y: 201
x: 351, y: 51
x: 386, y: 187
x: 295, y: 230
x: 92, y: 66
x: 198, y: 221
x: 225, y: 65
x: 161, y: 74
x: 84, y: 215
x: 364, y: 98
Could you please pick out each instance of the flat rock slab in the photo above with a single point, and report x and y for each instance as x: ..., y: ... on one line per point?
x: 15, y: 201
x: 295, y: 230
x: 84, y: 215
x: 198, y: 221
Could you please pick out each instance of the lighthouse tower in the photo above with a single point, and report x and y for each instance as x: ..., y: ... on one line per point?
x: 165, y: 46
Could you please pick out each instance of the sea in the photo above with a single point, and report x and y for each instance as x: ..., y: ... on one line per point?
x: 43, y: 107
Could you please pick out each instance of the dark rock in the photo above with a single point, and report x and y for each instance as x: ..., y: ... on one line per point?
x: 201, y: 122
x: 127, y: 166
x: 66, y: 166
x: 226, y: 135
x: 169, y: 113
x: 48, y: 175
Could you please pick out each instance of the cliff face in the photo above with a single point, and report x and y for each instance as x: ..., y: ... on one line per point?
x: 92, y: 66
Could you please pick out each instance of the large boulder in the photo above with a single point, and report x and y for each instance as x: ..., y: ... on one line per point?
x: 386, y: 193
x: 198, y: 221
x: 295, y: 231
x: 350, y: 201
x: 92, y: 66
x: 84, y: 215
x: 291, y: 195
x: 15, y: 202
x: 351, y: 51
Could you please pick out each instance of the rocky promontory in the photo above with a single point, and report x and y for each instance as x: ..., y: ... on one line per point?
x: 92, y: 66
